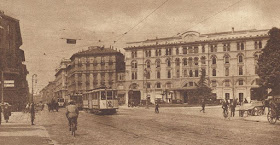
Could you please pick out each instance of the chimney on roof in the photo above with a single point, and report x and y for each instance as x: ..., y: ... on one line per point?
x: 232, y: 29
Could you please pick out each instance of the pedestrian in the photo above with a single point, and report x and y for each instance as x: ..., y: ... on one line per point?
x: 232, y: 109
x: 6, y: 112
x: 203, y: 106
x: 32, y: 113
x: 156, y: 108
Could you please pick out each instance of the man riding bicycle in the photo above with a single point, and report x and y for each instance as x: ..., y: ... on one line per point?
x: 72, y: 114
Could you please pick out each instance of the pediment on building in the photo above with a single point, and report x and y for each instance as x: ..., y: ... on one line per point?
x: 190, y: 36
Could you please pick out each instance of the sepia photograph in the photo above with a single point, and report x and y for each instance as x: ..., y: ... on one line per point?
x: 139, y: 72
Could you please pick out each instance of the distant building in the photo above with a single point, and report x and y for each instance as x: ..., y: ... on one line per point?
x: 61, y: 79
x: 94, y: 68
x: 11, y: 62
x: 48, y: 92
x: 167, y: 69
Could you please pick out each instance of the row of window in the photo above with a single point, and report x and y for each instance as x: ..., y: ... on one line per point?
x: 187, y: 61
x: 195, y: 49
x: 186, y: 73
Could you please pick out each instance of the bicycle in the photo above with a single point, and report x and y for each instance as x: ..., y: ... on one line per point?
x: 73, y: 127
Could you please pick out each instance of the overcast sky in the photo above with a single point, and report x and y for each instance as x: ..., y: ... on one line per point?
x: 44, y: 22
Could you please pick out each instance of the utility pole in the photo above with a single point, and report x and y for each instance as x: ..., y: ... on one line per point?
x: 32, y: 92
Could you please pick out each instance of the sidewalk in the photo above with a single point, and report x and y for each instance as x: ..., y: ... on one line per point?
x: 18, y: 131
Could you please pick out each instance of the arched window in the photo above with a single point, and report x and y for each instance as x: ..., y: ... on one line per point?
x: 196, y: 61
x: 190, y: 61
x: 133, y: 64
x: 158, y: 85
x: 177, y: 50
x: 169, y: 74
x: 214, y: 72
x: 240, y: 58
x: 177, y: 61
x: 214, y: 60
x: 157, y: 63
x: 185, y: 73
x: 203, y: 60
x: 185, y: 61
x: 196, y: 73
x: 148, y: 64
x: 158, y: 74
x: 168, y: 61
x: 226, y: 59
x: 190, y: 73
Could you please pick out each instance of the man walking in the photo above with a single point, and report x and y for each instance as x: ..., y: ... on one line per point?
x: 203, y: 106
x: 156, y: 108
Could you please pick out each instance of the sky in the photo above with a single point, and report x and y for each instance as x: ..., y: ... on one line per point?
x: 44, y: 22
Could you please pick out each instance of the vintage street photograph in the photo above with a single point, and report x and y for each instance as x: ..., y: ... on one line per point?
x: 139, y: 72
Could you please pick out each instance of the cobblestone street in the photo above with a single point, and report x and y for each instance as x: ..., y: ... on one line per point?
x: 180, y: 125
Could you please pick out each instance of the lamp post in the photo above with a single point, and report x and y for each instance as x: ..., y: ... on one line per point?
x: 2, y: 87
x: 34, y: 78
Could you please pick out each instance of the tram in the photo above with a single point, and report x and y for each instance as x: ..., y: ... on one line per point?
x: 78, y: 98
x: 61, y: 102
x: 101, y: 101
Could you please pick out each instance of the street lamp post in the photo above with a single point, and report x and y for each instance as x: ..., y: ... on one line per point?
x: 34, y: 75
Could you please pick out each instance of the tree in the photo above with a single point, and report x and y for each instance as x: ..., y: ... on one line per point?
x: 268, y: 62
x: 202, y: 90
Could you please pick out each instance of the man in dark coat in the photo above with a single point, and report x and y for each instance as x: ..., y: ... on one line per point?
x: 6, y: 112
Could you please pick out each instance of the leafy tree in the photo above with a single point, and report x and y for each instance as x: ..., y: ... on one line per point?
x: 202, y: 90
x: 269, y: 62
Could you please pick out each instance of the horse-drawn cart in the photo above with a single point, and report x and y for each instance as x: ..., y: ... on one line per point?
x: 274, y: 109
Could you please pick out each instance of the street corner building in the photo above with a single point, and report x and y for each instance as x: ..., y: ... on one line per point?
x: 167, y: 69
x: 15, y: 86
x: 94, y: 68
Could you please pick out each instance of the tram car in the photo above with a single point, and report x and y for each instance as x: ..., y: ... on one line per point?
x: 101, y: 101
x: 78, y: 98
x: 61, y: 102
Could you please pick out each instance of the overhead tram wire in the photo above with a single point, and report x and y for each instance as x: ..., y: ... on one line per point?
x: 141, y: 20
x: 211, y: 16
x: 122, y: 35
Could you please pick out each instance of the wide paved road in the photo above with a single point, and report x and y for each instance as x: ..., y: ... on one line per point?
x: 170, y: 126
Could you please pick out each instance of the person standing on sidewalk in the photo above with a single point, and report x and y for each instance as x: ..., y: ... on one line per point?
x: 6, y: 112
x: 32, y: 113
x: 203, y: 106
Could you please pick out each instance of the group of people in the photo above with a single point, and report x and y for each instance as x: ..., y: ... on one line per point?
x: 229, y: 105
x: 53, y: 105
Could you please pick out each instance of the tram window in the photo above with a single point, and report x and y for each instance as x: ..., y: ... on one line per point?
x: 103, y: 95
x: 109, y: 95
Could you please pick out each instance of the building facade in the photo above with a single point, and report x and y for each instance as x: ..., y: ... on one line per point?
x: 167, y: 69
x: 47, y: 93
x: 94, y: 68
x: 11, y: 63
x: 61, y: 79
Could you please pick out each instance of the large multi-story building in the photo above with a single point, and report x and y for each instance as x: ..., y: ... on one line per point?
x: 169, y: 68
x: 61, y: 79
x: 11, y: 63
x: 94, y: 68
